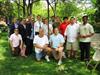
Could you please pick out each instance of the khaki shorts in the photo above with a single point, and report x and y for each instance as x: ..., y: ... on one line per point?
x: 56, y: 53
x: 72, y: 46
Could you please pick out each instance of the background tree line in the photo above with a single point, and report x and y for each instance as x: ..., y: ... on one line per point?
x: 23, y: 8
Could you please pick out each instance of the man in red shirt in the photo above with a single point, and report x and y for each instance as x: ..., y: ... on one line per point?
x: 62, y: 28
x: 63, y: 25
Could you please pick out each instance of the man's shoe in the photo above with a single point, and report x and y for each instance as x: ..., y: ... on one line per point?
x: 59, y: 62
x: 47, y: 58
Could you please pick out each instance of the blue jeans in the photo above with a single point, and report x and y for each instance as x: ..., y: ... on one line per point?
x: 39, y: 55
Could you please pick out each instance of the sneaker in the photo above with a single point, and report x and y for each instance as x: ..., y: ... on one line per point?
x: 47, y: 58
x: 38, y: 59
x: 64, y: 56
x: 59, y: 62
x: 24, y: 56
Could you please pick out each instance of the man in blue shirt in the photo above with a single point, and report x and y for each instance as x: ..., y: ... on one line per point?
x: 56, y: 42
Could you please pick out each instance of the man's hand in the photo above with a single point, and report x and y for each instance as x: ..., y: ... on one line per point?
x: 21, y: 47
x: 83, y: 36
x: 57, y: 49
x: 44, y: 47
x: 13, y: 49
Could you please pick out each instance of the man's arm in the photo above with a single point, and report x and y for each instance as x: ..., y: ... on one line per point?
x: 38, y: 46
x: 21, y: 42
x: 21, y: 45
x: 86, y: 36
x: 11, y: 45
x: 45, y: 46
x: 90, y: 35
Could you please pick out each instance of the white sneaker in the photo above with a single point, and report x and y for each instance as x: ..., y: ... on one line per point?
x: 38, y: 59
x: 47, y: 58
x: 59, y: 62
x: 64, y: 56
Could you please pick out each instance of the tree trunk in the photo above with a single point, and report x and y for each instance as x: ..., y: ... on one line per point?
x: 31, y: 5
x: 55, y: 8
x: 24, y: 7
x: 18, y: 8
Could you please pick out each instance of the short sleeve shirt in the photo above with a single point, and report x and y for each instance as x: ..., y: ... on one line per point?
x: 41, y: 41
x: 71, y: 32
x: 56, y: 40
x: 15, y: 39
x: 86, y: 30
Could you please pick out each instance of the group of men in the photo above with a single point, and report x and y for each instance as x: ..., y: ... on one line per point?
x: 68, y: 37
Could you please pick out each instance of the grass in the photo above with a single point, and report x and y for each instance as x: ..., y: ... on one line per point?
x: 29, y: 66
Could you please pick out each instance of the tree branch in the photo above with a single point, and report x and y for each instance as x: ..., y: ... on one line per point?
x: 18, y: 4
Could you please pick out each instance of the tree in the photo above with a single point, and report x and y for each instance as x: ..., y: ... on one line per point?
x: 30, y: 5
x: 97, y: 13
x: 6, y: 8
x: 67, y: 9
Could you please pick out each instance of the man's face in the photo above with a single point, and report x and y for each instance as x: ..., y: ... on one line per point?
x: 65, y: 20
x: 56, y: 31
x: 23, y: 21
x: 39, y: 18
x: 16, y: 31
x: 72, y: 21
x: 41, y: 32
x: 46, y: 21
x: 84, y: 19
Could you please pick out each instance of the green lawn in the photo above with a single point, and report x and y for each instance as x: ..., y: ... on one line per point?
x: 29, y: 66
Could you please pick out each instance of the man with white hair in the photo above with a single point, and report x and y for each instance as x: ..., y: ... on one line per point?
x: 41, y: 46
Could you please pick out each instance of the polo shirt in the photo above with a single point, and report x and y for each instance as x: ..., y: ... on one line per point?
x: 40, y: 41
x: 62, y: 27
x: 86, y: 30
x: 56, y: 40
x: 15, y: 39
x: 72, y: 32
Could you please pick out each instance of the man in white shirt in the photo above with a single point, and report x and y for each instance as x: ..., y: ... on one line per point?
x: 41, y: 46
x: 71, y: 34
x: 37, y: 25
x: 56, y: 42
x: 45, y: 27
x: 16, y: 42
x: 86, y: 31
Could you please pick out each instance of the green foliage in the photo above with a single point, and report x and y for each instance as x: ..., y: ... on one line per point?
x: 39, y: 9
x: 6, y: 9
x: 94, y: 2
x: 67, y: 9
x: 97, y: 13
x: 63, y: 9
x: 91, y: 12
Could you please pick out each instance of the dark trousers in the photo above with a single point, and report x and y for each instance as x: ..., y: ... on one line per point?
x: 85, y: 50
x: 29, y: 46
x: 16, y: 51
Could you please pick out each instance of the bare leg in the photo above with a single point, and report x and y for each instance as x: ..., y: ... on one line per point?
x: 60, y: 55
x: 48, y: 52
